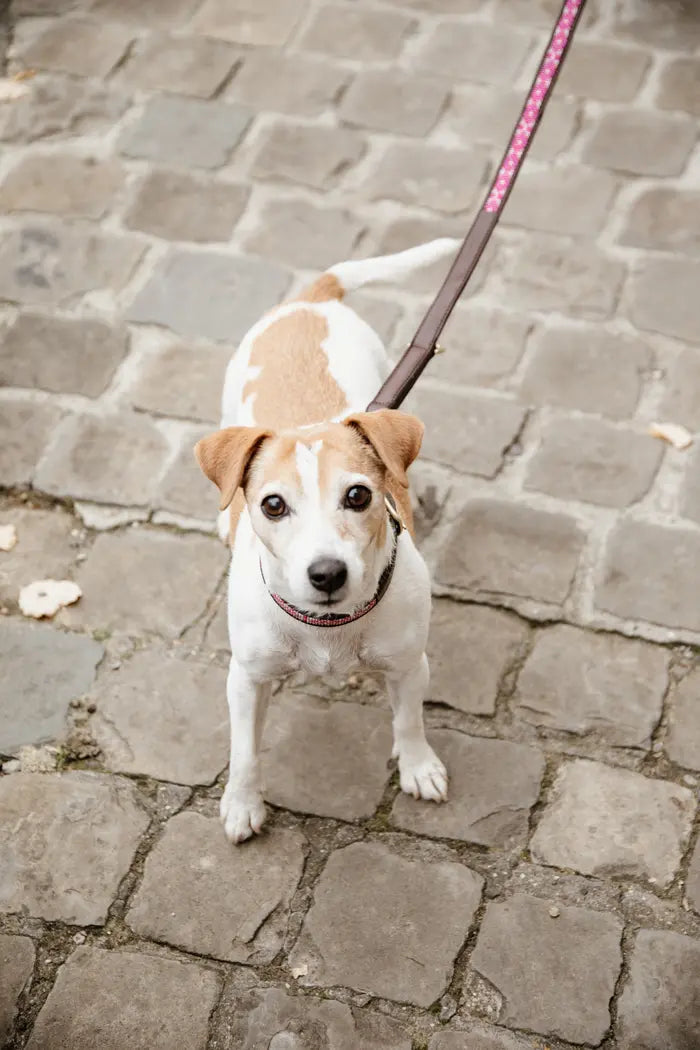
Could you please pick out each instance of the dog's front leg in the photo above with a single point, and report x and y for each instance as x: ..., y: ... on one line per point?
x: 242, y: 807
x: 421, y: 772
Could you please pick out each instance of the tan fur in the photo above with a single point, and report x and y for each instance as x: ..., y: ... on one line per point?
x: 325, y: 287
x: 225, y: 455
x: 295, y: 387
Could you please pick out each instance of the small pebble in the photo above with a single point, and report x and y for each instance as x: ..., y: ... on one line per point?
x: 76, y: 702
x: 554, y: 912
x: 115, y: 666
x: 79, y: 938
x: 690, y: 781
x: 81, y: 556
x: 91, y: 708
x: 13, y: 765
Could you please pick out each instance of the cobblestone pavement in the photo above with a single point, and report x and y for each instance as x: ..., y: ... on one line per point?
x: 174, y: 168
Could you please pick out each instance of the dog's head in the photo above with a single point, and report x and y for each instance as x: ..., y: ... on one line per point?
x: 316, y: 499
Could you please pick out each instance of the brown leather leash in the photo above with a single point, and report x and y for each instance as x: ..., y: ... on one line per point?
x: 424, y: 344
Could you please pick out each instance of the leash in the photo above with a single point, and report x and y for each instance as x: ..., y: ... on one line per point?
x: 424, y: 344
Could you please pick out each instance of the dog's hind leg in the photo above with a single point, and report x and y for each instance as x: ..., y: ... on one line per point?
x: 242, y: 806
x: 421, y: 772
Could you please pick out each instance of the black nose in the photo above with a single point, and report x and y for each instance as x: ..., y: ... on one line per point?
x: 328, y: 574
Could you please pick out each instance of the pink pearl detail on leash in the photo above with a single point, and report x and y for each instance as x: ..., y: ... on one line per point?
x: 526, y: 125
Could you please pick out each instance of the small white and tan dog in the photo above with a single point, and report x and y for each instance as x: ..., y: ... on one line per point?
x: 324, y: 576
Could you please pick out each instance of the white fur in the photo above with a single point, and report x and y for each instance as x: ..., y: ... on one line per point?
x: 268, y: 644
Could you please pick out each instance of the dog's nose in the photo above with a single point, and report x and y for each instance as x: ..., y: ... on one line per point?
x: 328, y: 574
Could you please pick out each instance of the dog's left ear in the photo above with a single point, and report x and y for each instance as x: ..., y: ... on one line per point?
x: 395, y: 436
x: 224, y: 457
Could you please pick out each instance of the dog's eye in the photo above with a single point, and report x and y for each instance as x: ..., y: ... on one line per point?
x: 273, y: 507
x: 358, y: 497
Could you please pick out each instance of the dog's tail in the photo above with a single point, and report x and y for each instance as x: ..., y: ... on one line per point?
x: 346, y: 276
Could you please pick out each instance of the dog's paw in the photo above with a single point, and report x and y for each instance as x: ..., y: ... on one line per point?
x: 242, y: 812
x: 422, y: 774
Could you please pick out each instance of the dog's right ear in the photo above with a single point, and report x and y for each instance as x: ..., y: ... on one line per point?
x: 224, y: 457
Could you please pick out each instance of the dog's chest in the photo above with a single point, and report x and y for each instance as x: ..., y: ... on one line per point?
x: 334, y: 652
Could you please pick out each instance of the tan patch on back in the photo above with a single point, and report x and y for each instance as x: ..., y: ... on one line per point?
x: 324, y: 288
x: 294, y: 387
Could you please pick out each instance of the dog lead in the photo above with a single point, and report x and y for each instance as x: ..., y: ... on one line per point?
x: 424, y: 344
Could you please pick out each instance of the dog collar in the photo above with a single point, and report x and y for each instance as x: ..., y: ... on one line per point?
x: 340, y: 619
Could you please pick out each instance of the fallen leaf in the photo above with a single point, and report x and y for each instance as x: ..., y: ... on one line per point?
x: 46, y: 597
x: 8, y: 537
x: 25, y: 74
x: 11, y: 89
x: 674, y: 433
x: 300, y: 971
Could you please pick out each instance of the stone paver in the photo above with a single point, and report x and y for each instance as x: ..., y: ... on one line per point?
x: 122, y: 999
x: 647, y: 574
x: 25, y: 430
x: 109, y: 460
x: 67, y: 185
x: 151, y: 598
x: 605, y: 821
x: 326, y: 758
x: 73, y: 839
x: 208, y: 295
x: 43, y: 264
x: 185, y: 132
x: 587, y: 369
x: 470, y: 650
x: 502, y: 548
x: 346, y: 939
x: 61, y: 355
x: 180, y: 207
x: 573, y: 964
x: 487, y: 426
x: 665, y: 219
x: 582, y: 682
x: 593, y: 461
x: 167, y: 385
x: 493, y: 785
x: 42, y: 671
x: 268, y: 1016
x: 144, y: 720
x: 174, y: 170
x: 16, y: 966
x: 82, y: 46
x: 642, y: 143
x: 660, y: 1004
x: 200, y: 894
x: 181, y: 65
x: 683, y: 742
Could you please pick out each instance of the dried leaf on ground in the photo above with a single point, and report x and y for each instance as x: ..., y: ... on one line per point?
x: 8, y: 537
x: 46, y: 597
x: 11, y: 89
x: 674, y: 433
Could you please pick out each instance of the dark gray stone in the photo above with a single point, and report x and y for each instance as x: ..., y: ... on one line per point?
x: 609, y: 821
x: 164, y: 718
x: 204, y: 294
x: 182, y: 207
x: 582, y: 682
x: 506, y: 548
x: 683, y: 742
x: 115, y: 999
x: 267, y: 1017
x: 660, y: 1005
x: 470, y: 649
x: 16, y: 966
x: 493, y: 785
x: 74, y: 836
x: 186, y: 132
x: 42, y: 671
x: 26, y: 428
x: 348, y: 937
x: 326, y: 758
x: 65, y: 356
x: 202, y: 895
x: 552, y: 995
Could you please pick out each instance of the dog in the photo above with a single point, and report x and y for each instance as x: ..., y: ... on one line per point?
x: 315, y: 504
